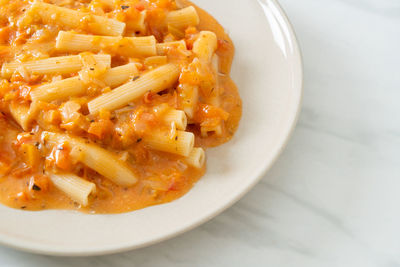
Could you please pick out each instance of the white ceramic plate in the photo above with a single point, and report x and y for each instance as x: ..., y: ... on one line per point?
x: 268, y: 71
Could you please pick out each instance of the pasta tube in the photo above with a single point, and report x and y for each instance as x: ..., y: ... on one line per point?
x: 196, y: 158
x: 204, y: 48
x: 178, y: 117
x: 124, y: 46
x: 162, y: 47
x: 205, y: 45
x: 119, y: 75
x: 21, y: 115
x: 154, y: 81
x: 53, y: 65
x: 76, y: 188
x: 181, y: 144
x: 72, y: 19
x: 59, y: 90
x: 208, y: 129
x: 214, y: 99
x: 189, y: 95
x: 155, y: 61
x: 96, y: 158
x: 75, y: 86
x: 183, y: 18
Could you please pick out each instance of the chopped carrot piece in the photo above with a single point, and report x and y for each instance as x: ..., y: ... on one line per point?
x: 31, y: 155
x: 101, y: 128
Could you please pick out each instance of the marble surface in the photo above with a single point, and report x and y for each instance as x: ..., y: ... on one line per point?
x: 333, y: 198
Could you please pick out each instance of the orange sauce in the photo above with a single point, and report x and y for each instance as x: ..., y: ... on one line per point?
x: 163, y: 177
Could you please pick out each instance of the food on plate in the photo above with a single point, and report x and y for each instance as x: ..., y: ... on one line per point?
x: 107, y: 106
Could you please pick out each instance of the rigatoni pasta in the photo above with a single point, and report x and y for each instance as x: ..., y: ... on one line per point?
x: 162, y: 48
x: 124, y: 46
x: 51, y: 66
x: 205, y: 45
x: 196, y: 158
x: 180, y: 142
x: 76, y: 188
x: 100, y: 160
x: 183, y: 18
x: 75, y: 86
x: 20, y: 113
x: 153, y: 81
x: 108, y: 106
x: 58, y: 90
x: 71, y: 19
x: 176, y: 117
x: 119, y: 75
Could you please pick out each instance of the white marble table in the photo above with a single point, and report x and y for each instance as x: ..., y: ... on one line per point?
x: 333, y: 198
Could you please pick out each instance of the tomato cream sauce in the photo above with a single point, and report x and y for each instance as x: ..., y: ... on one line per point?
x: 163, y: 177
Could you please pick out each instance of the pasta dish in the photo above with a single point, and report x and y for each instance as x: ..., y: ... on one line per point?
x: 107, y: 106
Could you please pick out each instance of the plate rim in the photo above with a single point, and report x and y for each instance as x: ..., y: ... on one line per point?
x: 15, y: 243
